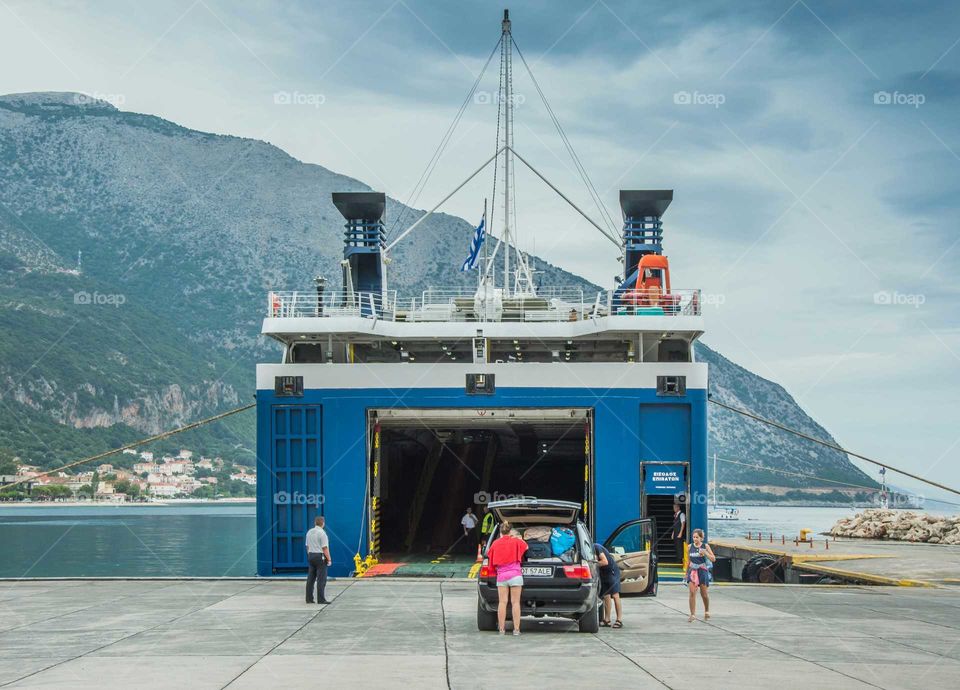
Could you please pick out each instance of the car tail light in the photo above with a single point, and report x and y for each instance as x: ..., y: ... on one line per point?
x: 577, y: 572
x: 486, y: 571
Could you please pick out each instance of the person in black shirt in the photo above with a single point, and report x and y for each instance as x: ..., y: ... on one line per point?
x: 678, y: 531
x: 609, y: 585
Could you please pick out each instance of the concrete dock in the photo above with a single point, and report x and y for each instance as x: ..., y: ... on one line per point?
x: 869, y: 561
x: 397, y: 633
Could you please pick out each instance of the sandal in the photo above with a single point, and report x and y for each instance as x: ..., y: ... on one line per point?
x: 604, y: 624
x: 691, y: 619
x: 618, y: 624
x: 706, y: 616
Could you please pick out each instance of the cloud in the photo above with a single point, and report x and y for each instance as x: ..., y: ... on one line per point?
x: 798, y: 196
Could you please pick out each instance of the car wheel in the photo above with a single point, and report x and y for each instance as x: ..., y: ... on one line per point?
x: 589, y: 620
x: 485, y: 619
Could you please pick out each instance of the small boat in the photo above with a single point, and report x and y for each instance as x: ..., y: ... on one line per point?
x: 716, y: 512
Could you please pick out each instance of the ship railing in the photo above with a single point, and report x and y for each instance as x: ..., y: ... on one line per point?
x: 654, y: 302
x: 471, y: 304
x: 307, y: 303
x: 455, y: 304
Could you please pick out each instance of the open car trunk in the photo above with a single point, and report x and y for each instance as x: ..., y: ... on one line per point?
x: 550, y: 531
x: 535, y: 510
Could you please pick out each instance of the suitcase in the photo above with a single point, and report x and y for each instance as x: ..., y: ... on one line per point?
x: 538, y: 549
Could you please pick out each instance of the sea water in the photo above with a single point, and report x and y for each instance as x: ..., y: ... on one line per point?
x: 219, y: 539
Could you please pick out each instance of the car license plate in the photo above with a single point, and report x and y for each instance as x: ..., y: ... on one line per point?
x: 531, y: 571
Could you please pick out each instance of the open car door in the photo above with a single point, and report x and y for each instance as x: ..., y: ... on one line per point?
x: 632, y: 547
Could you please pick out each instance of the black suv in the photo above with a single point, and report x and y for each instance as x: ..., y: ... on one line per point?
x: 565, y: 584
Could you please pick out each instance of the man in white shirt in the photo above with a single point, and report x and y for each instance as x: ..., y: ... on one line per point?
x: 318, y: 559
x: 469, y: 522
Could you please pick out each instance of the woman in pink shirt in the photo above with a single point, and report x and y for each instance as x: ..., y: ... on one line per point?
x: 505, y: 555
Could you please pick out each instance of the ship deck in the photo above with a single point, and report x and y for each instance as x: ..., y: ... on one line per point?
x: 397, y: 633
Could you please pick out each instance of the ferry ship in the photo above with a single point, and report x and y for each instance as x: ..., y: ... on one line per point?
x: 391, y: 413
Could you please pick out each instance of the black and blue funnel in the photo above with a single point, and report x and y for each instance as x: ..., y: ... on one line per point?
x: 363, y: 239
x: 642, y: 227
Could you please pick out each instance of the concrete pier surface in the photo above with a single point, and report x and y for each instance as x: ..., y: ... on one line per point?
x: 871, y: 560
x: 389, y: 633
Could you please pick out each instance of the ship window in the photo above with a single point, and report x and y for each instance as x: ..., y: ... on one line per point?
x: 671, y: 385
x: 307, y: 353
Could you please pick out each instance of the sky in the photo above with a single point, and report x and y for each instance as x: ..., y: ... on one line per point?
x: 813, y: 148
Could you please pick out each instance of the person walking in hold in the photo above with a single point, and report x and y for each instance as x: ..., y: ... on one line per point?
x: 505, y: 556
x: 318, y: 560
x: 678, y: 531
x: 469, y: 522
x: 698, y: 574
x: 609, y: 585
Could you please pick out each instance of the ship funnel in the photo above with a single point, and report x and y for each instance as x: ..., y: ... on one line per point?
x: 363, y: 240
x: 642, y: 227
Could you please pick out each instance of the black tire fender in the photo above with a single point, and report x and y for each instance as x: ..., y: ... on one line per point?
x: 764, y: 568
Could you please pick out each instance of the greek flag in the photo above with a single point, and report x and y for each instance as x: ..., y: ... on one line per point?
x: 478, y: 236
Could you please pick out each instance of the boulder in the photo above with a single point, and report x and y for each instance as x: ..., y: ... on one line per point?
x: 900, y: 526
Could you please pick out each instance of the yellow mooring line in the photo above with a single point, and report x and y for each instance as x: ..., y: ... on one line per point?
x: 148, y: 439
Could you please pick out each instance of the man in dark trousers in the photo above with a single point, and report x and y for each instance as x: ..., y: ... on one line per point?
x: 678, y: 531
x: 318, y: 558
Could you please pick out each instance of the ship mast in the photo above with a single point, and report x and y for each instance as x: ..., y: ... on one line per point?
x: 522, y: 281
x: 506, y: 50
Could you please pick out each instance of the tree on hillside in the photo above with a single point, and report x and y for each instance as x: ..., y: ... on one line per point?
x: 124, y: 486
x: 50, y: 492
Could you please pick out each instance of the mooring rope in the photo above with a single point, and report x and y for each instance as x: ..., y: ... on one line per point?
x: 833, y: 446
x: 149, y: 439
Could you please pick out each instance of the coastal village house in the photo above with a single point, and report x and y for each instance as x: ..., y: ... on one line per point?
x: 168, y: 477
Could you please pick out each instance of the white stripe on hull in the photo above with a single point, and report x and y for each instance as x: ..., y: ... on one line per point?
x: 593, y: 375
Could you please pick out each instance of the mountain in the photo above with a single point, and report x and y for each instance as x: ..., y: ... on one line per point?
x: 135, y: 256
x: 738, y: 439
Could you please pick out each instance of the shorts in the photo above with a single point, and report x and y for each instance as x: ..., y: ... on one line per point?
x: 516, y: 581
x: 609, y: 587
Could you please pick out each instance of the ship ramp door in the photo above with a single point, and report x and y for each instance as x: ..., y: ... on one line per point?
x: 429, y: 465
